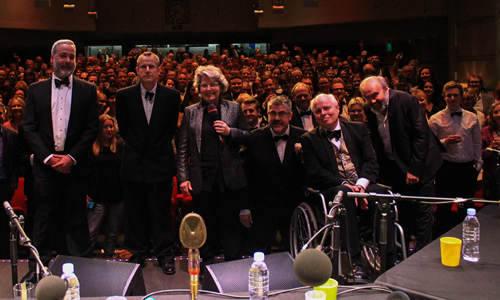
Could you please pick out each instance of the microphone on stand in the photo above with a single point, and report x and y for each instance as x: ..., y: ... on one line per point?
x: 27, y: 242
x: 193, y: 234
x: 51, y: 288
x: 312, y: 267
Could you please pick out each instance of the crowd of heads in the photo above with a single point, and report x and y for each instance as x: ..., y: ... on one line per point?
x: 289, y: 72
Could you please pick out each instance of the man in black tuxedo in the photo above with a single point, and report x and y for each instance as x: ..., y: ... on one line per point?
x: 8, y: 181
x: 338, y: 156
x: 275, y: 176
x: 60, y: 125
x: 302, y: 115
x: 407, y: 152
x: 147, y: 116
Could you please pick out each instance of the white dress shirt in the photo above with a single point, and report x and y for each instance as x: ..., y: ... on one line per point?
x: 146, y: 103
x: 467, y: 126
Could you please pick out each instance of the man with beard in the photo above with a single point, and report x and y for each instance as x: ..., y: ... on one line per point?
x: 407, y: 153
x: 275, y: 176
x: 60, y: 125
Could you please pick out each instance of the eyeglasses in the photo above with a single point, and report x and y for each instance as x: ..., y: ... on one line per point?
x: 280, y: 114
x: 212, y: 85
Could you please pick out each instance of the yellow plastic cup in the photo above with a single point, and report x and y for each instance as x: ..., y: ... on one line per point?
x: 450, y: 251
x: 330, y: 289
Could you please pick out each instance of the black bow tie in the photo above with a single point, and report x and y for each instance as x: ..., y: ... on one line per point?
x: 280, y: 137
x: 305, y: 113
x: 457, y: 113
x: 336, y: 134
x: 150, y: 96
x: 58, y: 82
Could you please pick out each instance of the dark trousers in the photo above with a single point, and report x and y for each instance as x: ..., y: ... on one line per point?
x: 60, y: 220
x: 220, y: 211
x: 454, y: 180
x: 416, y: 218
x: 6, y: 194
x: 273, y: 214
x: 350, y: 231
x: 147, y: 219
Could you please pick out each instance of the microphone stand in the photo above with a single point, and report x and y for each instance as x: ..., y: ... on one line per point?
x: 385, y: 201
x: 25, y: 241
x: 13, y: 249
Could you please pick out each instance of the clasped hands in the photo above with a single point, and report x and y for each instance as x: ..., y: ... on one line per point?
x: 361, y: 202
x: 61, y: 163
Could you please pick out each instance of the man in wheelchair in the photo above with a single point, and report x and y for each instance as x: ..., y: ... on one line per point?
x: 338, y: 156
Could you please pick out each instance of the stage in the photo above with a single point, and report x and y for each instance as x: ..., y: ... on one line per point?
x: 156, y: 281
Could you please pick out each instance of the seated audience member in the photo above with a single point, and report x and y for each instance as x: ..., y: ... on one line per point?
x: 468, y: 102
x: 16, y: 113
x: 235, y: 85
x: 354, y: 168
x: 275, y: 176
x: 355, y: 110
x: 483, y: 100
x: 491, y: 139
x: 105, y: 186
x: 302, y: 116
x: 424, y: 103
x: 251, y: 111
x: 339, y: 92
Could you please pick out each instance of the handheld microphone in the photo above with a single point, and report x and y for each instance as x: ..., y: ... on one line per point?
x: 312, y: 267
x: 193, y: 234
x: 213, y: 112
x: 51, y: 288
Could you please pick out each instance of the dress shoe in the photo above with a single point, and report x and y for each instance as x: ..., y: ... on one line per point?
x: 359, y: 273
x: 31, y: 277
x: 137, y: 260
x: 167, y: 265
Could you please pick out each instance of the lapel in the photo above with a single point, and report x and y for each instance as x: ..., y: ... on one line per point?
x: 290, y: 145
x: 75, y: 98
x: 271, y: 146
x: 328, y: 147
x: 197, y: 119
x: 45, y: 100
x: 157, y: 106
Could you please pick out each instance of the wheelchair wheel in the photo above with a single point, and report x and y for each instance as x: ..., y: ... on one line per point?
x: 302, y: 227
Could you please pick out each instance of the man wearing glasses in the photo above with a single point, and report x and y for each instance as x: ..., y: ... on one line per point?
x: 275, y: 176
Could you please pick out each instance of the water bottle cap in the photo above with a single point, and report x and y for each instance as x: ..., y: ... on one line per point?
x: 68, y: 268
x: 471, y: 211
x: 258, y: 256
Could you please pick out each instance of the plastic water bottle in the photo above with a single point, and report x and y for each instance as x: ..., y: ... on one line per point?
x: 470, y: 236
x: 73, y: 292
x: 258, y: 278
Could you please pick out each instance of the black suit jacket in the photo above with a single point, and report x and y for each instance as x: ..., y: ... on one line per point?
x: 148, y: 155
x: 413, y: 146
x: 189, y: 146
x: 268, y: 178
x: 82, y: 126
x: 11, y: 157
x: 319, y: 156
x: 297, y: 121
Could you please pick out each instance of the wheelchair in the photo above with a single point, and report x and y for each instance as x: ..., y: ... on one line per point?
x: 315, y: 224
